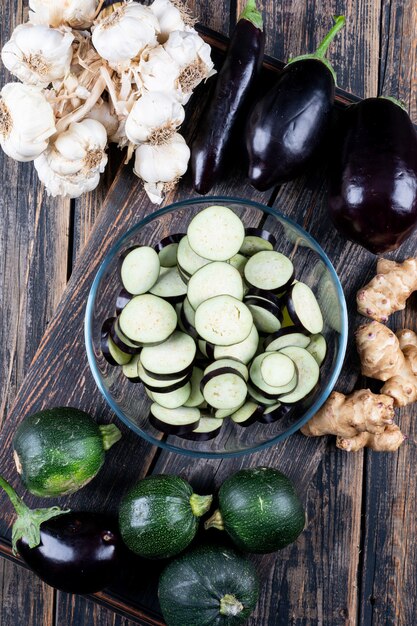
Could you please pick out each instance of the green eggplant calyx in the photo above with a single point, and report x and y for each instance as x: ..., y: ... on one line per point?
x: 399, y: 103
x: 230, y: 606
x: 251, y: 13
x: 319, y: 54
x: 110, y: 434
x: 215, y: 521
x: 28, y: 522
x: 200, y: 504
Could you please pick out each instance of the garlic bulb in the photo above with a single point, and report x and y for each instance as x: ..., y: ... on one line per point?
x: 123, y: 34
x: 103, y: 113
x: 74, y: 13
x: 154, y: 118
x: 37, y: 54
x: 193, y: 56
x: 26, y: 121
x: 161, y: 166
x: 172, y: 15
x: 73, y: 163
x: 158, y: 71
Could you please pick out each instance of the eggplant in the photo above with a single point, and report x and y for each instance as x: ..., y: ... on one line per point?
x: 74, y: 552
x: 288, y: 125
x: 225, y: 111
x: 373, y: 175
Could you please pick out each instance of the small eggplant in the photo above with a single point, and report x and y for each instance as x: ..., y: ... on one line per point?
x: 373, y: 176
x: 73, y: 552
x: 287, y: 126
x: 223, y: 112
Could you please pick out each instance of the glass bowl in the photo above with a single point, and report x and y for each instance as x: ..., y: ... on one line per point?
x: 130, y: 402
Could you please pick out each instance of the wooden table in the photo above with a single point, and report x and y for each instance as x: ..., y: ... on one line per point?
x: 355, y: 562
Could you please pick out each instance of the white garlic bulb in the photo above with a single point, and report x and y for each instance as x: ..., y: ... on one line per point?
x: 72, y: 165
x: 123, y: 34
x: 158, y: 71
x: 103, y: 113
x: 74, y: 13
x: 26, y: 121
x: 161, y: 166
x: 172, y: 15
x: 37, y: 54
x: 154, y: 118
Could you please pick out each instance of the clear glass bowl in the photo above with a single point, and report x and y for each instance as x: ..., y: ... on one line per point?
x: 129, y: 401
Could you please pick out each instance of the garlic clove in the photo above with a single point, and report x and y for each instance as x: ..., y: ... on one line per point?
x: 154, y: 118
x: 26, y: 121
x: 74, y: 13
x: 172, y: 15
x: 37, y: 54
x: 103, y: 112
x: 158, y: 71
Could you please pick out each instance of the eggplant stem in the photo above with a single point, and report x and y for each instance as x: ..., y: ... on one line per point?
x: 251, y: 13
x: 215, y: 521
x: 200, y: 504
x: 28, y: 522
x: 230, y: 606
x: 110, y: 435
x: 339, y: 23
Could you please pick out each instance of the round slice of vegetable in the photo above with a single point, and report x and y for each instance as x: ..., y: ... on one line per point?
x: 183, y: 275
x: 248, y: 414
x: 269, y: 270
x: 262, y: 294
x: 318, y: 348
x: 274, y: 413
x: 224, y: 388
x: 260, y: 397
x: 238, y: 261
x: 259, y: 509
x: 170, y: 359
x: 112, y: 353
x: 167, y: 249
x: 158, y: 517
x: 216, y: 233
x: 122, y: 299
x: 60, y: 450
x: 208, y: 428
x: 266, y: 316
x: 173, y: 399
x: 304, y: 309
x: 206, y: 348
x: 277, y: 369
x: 185, y: 325
x: 308, y: 374
x: 189, y: 312
x: 130, y: 370
x: 221, y: 414
x: 162, y: 386
x: 122, y: 342
x: 139, y: 269
x: 196, y: 397
x: 257, y: 240
x: 188, y: 260
x: 232, y: 363
x: 243, y: 351
x: 170, y: 285
x: 174, y: 421
x: 286, y: 337
x: 215, y: 279
x: 272, y: 391
x: 208, y: 586
x: 223, y: 320
x: 148, y: 319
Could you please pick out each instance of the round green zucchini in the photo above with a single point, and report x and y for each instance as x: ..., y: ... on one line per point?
x: 59, y: 450
x: 208, y: 586
x: 259, y: 509
x: 158, y: 517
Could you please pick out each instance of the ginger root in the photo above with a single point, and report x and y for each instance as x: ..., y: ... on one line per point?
x: 390, y: 358
x: 361, y: 419
x: 389, y: 290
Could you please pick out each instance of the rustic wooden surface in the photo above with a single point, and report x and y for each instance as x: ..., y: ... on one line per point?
x: 355, y: 563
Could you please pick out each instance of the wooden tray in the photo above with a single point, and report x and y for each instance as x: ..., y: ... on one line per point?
x: 60, y: 375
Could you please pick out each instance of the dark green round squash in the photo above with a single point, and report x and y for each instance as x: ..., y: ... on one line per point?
x: 208, y: 586
x: 259, y: 509
x: 59, y: 450
x: 158, y: 517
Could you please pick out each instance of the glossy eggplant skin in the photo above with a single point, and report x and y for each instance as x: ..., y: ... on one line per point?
x: 287, y: 126
x: 373, y: 177
x: 78, y: 553
x: 225, y: 111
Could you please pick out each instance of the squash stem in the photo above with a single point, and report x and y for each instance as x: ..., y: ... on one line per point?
x: 110, y: 434
x: 251, y: 13
x: 230, y: 606
x: 200, y: 504
x: 28, y: 522
x: 215, y: 521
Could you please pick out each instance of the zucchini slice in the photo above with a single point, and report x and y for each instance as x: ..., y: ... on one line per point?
x: 188, y: 260
x: 269, y: 270
x: 167, y: 249
x: 318, y: 348
x: 173, y: 399
x: 308, y: 374
x: 286, y: 337
x: 216, y: 233
x: 243, y: 351
x: 223, y: 320
x: 208, y: 428
x: 224, y: 388
x: 266, y: 316
x: 257, y: 240
x: 174, y: 421
x: 303, y: 308
x: 215, y: 279
x: 170, y: 285
x: 248, y: 414
x: 139, y: 269
x: 148, y: 319
x: 170, y: 359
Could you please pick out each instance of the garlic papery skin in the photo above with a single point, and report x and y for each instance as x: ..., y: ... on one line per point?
x: 103, y: 113
x: 26, y: 121
x: 172, y: 15
x: 74, y: 13
x: 72, y: 165
x: 154, y: 118
x: 125, y: 33
x: 158, y: 71
x: 37, y: 54
x: 161, y: 166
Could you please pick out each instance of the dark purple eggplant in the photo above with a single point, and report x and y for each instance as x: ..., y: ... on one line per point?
x: 74, y: 552
x: 225, y: 111
x: 288, y: 125
x: 373, y: 176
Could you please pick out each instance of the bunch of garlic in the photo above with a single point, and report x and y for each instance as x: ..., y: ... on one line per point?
x: 92, y: 75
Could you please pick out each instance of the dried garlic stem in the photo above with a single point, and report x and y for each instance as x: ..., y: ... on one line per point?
x: 79, y: 114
